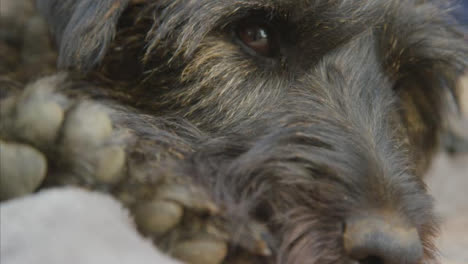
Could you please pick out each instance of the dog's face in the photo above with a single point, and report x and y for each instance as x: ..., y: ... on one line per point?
x: 325, y: 112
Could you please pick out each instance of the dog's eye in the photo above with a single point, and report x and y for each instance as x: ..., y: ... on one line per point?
x: 258, y: 38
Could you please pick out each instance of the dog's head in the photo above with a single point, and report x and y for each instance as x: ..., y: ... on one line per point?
x: 332, y: 107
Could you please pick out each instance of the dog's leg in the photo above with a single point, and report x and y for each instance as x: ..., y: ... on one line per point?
x: 48, y: 138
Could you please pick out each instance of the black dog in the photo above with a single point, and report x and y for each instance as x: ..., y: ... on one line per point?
x: 295, y: 131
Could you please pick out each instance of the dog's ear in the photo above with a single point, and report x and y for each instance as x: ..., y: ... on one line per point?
x: 426, y: 52
x: 83, y: 29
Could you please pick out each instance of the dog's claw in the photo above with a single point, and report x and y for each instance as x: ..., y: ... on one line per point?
x: 255, y: 239
x: 22, y: 170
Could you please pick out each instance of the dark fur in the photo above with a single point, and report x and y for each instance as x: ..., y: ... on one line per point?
x: 345, y: 119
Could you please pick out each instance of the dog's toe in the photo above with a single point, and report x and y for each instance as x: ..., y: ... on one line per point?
x: 158, y: 217
x: 87, y: 143
x: 87, y: 126
x: 39, y: 121
x: 110, y: 164
x: 34, y: 116
x: 203, y: 250
x: 22, y: 169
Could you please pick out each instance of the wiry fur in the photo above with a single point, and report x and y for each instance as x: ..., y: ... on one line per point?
x: 345, y: 119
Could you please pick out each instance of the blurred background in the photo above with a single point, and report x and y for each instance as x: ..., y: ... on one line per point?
x: 27, y: 54
x: 448, y: 183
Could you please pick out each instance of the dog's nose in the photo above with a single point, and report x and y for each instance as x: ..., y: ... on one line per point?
x: 381, y: 239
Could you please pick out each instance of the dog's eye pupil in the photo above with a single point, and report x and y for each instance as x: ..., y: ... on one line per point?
x: 257, y: 38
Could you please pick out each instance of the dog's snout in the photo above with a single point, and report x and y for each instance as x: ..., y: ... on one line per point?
x: 381, y: 239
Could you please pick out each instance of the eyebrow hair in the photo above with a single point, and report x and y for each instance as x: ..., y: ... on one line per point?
x: 188, y: 22
x: 184, y: 23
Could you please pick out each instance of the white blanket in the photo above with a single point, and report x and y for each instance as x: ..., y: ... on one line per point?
x: 72, y: 226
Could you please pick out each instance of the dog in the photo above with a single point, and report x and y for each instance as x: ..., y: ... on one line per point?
x: 251, y: 131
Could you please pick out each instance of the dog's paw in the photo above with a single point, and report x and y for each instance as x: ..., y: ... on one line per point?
x: 22, y: 169
x: 48, y: 138
x: 43, y: 130
x: 180, y: 218
x: 184, y: 222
